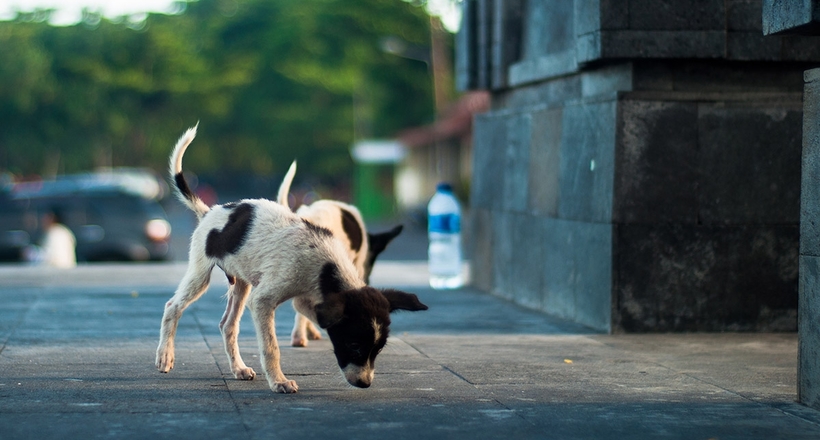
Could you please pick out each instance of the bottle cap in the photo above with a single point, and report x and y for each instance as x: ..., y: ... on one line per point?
x: 444, y: 187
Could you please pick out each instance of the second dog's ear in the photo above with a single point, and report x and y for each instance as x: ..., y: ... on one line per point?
x: 403, y: 301
x: 330, y: 311
x: 378, y: 242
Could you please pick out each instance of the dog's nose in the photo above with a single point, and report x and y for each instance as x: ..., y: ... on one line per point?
x: 361, y: 384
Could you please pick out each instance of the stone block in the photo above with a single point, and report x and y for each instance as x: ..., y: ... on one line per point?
x: 489, y: 137
x: 587, y: 161
x: 594, y: 15
x: 613, y: 15
x: 482, y: 43
x: 506, y: 38
x: 808, y: 342
x: 548, y: 28
x: 548, y: 66
x: 577, y: 271
x: 801, y: 48
x: 559, y: 271
x: 656, y: 175
x: 594, y: 278
x: 587, y: 16
x: 674, y: 277
x: 698, y: 15
x: 527, y: 255
x: 744, y: 15
x: 631, y: 44
x: 502, y: 255
x: 553, y: 92
x: 465, y: 61
x: 750, y: 163
x: 753, y: 46
x: 791, y: 17
x: 703, y: 77
x: 607, y: 80
x: 810, y: 181
x: 545, y: 162
x: 516, y: 162
x: 481, y: 250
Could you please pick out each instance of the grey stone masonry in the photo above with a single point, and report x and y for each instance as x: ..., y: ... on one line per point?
x: 791, y: 17
x: 640, y: 167
x: 808, y: 370
x: 512, y: 42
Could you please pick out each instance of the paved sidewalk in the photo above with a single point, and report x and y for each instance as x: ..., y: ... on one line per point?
x: 77, y: 351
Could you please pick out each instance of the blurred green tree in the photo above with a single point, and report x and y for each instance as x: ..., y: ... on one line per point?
x: 270, y: 80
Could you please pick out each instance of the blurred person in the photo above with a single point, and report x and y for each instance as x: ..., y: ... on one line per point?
x: 58, y: 243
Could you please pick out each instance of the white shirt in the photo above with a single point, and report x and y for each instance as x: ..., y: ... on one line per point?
x: 58, y: 247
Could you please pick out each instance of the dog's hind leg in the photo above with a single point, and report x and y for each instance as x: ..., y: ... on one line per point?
x: 263, y: 308
x: 303, y: 330
x: 193, y: 285
x: 229, y: 326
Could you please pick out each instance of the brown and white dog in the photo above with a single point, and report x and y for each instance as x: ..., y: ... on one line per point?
x: 345, y: 222
x: 261, y: 244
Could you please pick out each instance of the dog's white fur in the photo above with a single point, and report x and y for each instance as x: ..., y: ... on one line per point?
x: 328, y: 214
x: 281, y: 264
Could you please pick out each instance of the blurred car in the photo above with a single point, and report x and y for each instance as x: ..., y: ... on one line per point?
x: 115, y: 216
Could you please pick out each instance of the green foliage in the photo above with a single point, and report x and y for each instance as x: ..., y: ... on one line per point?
x: 270, y: 81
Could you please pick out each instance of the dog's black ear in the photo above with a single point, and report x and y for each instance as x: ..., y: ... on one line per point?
x: 331, y: 310
x: 403, y: 301
x: 378, y: 242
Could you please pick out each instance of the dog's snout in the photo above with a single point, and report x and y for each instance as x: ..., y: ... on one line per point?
x: 359, y: 377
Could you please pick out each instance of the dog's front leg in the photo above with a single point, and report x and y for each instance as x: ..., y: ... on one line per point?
x: 263, y: 310
x: 229, y: 326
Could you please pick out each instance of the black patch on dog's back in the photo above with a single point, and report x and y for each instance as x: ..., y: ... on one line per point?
x: 317, y: 229
x: 352, y: 229
x: 329, y: 280
x: 233, y: 234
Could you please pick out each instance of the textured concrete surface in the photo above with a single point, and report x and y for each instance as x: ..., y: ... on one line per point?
x: 77, y: 350
x: 791, y: 17
x: 808, y: 388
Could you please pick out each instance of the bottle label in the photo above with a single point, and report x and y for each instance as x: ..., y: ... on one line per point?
x: 444, y: 223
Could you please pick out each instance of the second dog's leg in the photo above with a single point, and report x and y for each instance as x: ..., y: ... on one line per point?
x: 263, y: 310
x: 303, y: 330
x: 193, y: 285
x: 229, y: 326
x: 298, y: 337
x: 312, y: 332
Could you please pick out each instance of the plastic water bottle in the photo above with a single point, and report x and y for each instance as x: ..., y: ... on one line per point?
x: 444, y: 232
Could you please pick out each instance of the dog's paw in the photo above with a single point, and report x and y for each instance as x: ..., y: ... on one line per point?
x: 286, y: 387
x: 298, y: 342
x: 164, y: 361
x: 246, y: 373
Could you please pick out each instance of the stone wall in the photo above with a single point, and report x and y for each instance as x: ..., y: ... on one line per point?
x: 809, y: 306
x: 639, y: 169
x: 803, y: 17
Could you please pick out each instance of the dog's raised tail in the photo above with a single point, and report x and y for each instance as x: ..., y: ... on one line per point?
x: 184, y: 193
x: 284, y: 188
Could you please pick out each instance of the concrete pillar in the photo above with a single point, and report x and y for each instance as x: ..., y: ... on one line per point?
x: 808, y: 370
x: 802, y: 17
x: 639, y: 169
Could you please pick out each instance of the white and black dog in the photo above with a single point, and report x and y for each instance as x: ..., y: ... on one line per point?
x: 261, y: 244
x: 345, y: 222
